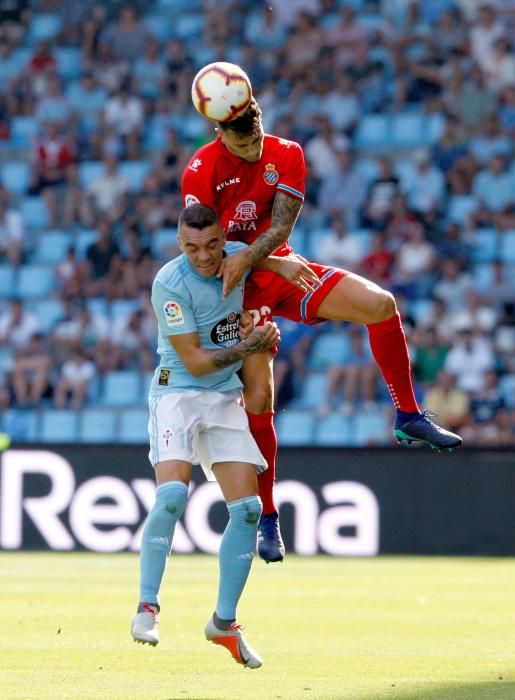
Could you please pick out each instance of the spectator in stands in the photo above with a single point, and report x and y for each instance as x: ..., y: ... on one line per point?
x: 15, y: 19
x: 476, y: 314
x: 341, y: 104
x: 123, y: 121
x: 53, y: 107
x: 107, y: 193
x: 99, y: 257
x: 74, y: 381
x: 148, y: 205
x: 343, y: 191
x: 429, y: 357
x: 358, y: 375
x: 485, y: 31
x: 414, y: 265
x: 262, y: 29
x: 451, y: 404
x: 290, y: 361
x: 74, y: 208
x: 507, y: 111
x: 453, y: 285
x: 499, y: 67
x: 87, y: 99
x: 491, y: 141
x: 41, y: 65
x: 450, y: 35
x: 448, y: 153
x: 170, y: 163
x: 377, y: 265
x: 321, y: 150
x: 495, y: 193
x: 11, y: 231
x: 179, y: 72
x: 109, y: 70
x: 134, y: 339
x: 31, y: 374
x: 453, y: 244
x: 150, y: 72
x: 469, y: 358
x: 128, y: 36
x: 381, y: 196
x: 70, y: 275
x: 367, y: 75
x: 470, y: 99
x: 51, y: 158
x: 501, y: 289
x: 437, y: 316
x: 347, y: 37
x: 424, y: 189
x: 338, y: 248
x: 17, y: 326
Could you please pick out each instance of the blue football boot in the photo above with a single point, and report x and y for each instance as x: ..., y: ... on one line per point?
x: 416, y: 427
x: 270, y: 543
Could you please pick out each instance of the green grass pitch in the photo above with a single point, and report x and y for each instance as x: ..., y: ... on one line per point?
x: 389, y: 627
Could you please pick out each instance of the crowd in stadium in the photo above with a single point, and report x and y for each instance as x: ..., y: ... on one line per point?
x: 406, y: 112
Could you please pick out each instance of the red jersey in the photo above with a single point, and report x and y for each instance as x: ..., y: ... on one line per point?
x: 243, y: 193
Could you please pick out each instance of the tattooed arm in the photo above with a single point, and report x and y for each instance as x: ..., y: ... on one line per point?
x: 284, y: 215
x: 199, y: 361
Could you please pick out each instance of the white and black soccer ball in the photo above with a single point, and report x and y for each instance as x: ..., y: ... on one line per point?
x: 221, y: 91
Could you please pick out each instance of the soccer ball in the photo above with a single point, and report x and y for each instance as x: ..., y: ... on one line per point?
x: 221, y: 91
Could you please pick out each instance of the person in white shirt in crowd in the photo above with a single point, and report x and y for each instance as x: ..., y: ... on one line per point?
x: 343, y: 192
x: 425, y: 187
x: 107, y: 194
x: 469, y: 358
x: 123, y: 120
x: 485, y: 31
x: 322, y: 149
x: 74, y: 382
x: 17, y: 326
x: 11, y: 232
x: 415, y: 263
x: 453, y: 285
x: 339, y: 248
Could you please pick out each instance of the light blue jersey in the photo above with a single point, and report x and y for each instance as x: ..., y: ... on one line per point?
x: 186, y: 302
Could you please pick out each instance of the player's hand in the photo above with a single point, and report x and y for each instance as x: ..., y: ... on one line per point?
x: 294, y: 268
x: 264, y: 337
x: 231, y: 271
x: 246, y: 325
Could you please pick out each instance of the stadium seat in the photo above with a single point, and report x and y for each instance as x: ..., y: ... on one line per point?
x: 83, y: 240
x: 508, y: 389
x: 98, y: 425
x: 58, y: 426
x: 372, y: 131
x: 160, y: 26
x: 34, y: 212
x: 121, y: 388
x: 299, y: 241
x: 69, y: 62
x: 133, y: 426
x: 483, y: 276
x: 485, y: 245
x: 189, y: 26
x: 98, y: 306
x: 507, y: 249
x: 121, y: 308
x: 313, y: 390
x: 295, y: 427
x: 404, y: 169
x: 370, y: 429
x: 24, y: 131
x: 367, y: 167
x: 460, y: 207
x: 44, y: 26
x: 21, y: 424
x: 433, y: 126
x: 408, y: 130
x: 135, y: 172
x: 15, y: 176
x: 90, y: 170
x: 52, y: 246
x: 328, y: 349
x: 161, y: 241
x: 48, y: 312
x: 334, y: 431
x: 34, y: 281
x: 6, y: 281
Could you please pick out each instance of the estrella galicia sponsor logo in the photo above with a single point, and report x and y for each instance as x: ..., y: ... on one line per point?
x: 173, y: 314
x: 225, y: 332
x: 270, y: 176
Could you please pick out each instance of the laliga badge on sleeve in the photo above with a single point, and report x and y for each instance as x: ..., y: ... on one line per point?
x: 173, y: 314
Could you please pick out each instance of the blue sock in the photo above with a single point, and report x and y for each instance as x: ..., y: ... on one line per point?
x: 156, y: 542
x: 236, y: 553
x: 405, y: 416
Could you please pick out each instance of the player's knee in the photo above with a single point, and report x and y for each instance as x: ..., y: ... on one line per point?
x: 385, y: 306
x: 259, y: 399
x: 246, y: 512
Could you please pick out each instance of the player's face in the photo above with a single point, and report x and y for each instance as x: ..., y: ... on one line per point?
x: 204, y: 248
x: 249, y: 148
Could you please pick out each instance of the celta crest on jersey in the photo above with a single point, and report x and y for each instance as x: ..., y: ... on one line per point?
x: 270, y: 176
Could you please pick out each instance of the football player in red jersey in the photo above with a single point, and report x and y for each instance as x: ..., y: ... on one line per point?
x: 255, y: 182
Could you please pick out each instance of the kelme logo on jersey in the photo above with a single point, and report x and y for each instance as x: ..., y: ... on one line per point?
x: 270, y: 176
x: 173, y: 314
x: 225, y: 332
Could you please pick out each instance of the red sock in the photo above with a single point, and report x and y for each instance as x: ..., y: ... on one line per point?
x: 389, y: 347
x: 263, y: 431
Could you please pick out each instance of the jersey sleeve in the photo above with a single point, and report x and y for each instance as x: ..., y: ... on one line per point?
x: 196, y: 183
x: 292, y: 179
x: 174, y: 313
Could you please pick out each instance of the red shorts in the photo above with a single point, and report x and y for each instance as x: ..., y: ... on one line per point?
x: 268, y: 294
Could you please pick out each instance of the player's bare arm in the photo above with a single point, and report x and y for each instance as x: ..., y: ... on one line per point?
x: 199, y: 361
x: 284, y: 215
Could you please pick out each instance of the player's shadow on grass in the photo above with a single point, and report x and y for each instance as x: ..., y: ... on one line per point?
x: 492, y: 690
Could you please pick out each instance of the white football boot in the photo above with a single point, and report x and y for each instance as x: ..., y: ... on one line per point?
x: 234, y: 641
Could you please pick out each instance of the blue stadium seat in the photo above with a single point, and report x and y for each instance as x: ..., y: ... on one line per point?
x: 121, y: 388
x: 299, y: 240
x: 34, y: 281
x: 6, y: 281
x: 34, y: 212
x: 295, y: 427
x: 98, y: 306
x: 508, y: 247
x: 483, y: 276
x: 367, y: 167
x: 328, y: 349
x: 161, y: 241
x: 507, y: 383
x: 69, y: 62
x: 24, y: 131
x: 160, y: 25
x: 370, y: 428
x: 313, y: 390
x: 485, y: 245
x: 98, y: 425
x: 420, y: 307
x: 52, y: 246
x: 48, y: 311
x: 15, y: 176
x: 133, y: 426
x: 135, y: 172
x: 121, y: 308
x: 189, y: 26
x: 408, y: 130
x: 44, y: 26
x: 404, y: 169
x: 90, y: 170
x: 460, y: 207
x: 21, y: 424
x: 433, y: 125
x: 83, y: 240
x: 372, y: 131
x: 334, y: 431
x: 58, y: 426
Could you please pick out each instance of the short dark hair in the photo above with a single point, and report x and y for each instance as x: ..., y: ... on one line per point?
x: 197, y: 216
x: 246, y: 125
